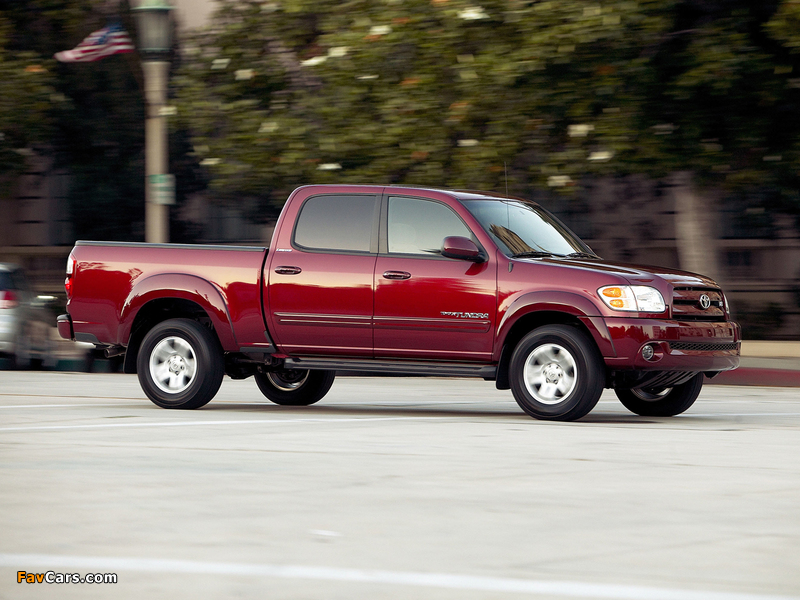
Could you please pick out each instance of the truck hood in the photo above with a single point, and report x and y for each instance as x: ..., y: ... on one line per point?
x: 635, y: 274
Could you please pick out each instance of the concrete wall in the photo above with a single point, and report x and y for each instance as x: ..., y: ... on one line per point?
x: 192, y: 14
x: 36, y: 213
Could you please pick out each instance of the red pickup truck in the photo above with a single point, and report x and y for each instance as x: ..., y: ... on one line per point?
x: 403, y: 280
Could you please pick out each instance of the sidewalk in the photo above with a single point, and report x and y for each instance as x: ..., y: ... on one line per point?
x: 774, y: 364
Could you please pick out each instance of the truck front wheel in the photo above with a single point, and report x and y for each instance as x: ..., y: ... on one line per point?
x: 295, y: 387
x: 180, y: 364
x: 556, y: 373
x: 662, y: 402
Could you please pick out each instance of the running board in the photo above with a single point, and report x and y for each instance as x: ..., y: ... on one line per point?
x: 394, y: 366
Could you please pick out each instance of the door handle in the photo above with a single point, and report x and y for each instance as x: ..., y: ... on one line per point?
x: 396, y: 275
x: 288, y: 270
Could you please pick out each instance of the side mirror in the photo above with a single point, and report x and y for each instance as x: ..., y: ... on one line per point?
x: 461, y: 248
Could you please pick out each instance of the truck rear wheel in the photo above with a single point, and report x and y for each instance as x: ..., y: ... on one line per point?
x: 662, y: 402
x: 295, y: 387
x: 180, y: 364
x: 556, y: 373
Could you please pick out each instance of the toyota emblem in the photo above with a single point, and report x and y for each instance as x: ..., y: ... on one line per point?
x: 705, y: 301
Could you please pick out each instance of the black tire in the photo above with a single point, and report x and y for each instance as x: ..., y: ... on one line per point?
x: 295, y: 387
x: 180, y: 364
x: 662, y: 402
x: 556, y: 373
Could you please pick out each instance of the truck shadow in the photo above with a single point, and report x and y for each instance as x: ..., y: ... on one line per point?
x: 421, y: 411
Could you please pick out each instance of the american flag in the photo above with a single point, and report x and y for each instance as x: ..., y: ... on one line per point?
x: 101, y: 43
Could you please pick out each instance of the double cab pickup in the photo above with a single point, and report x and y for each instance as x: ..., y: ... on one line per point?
x: 403, y: 280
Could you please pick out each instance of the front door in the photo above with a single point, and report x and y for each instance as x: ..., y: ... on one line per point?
x: 426, y: 305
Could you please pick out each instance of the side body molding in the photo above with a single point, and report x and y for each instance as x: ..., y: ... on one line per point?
x: 513, y: 308
x: 185, y: 287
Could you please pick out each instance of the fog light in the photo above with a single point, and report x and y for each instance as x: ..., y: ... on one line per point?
x: 648, y: 352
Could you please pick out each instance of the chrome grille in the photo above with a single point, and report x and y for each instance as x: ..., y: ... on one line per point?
x: 686, y: 304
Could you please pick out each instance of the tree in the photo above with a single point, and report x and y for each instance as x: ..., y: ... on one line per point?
x: 27, y: 97
x: 96, y: 130
x: 95, y: 115
x: 441, y: 92
x: 454, y: 93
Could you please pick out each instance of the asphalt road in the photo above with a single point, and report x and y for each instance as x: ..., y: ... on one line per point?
x: 394, y: 488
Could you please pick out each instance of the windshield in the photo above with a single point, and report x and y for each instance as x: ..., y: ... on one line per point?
x: 521, y: 229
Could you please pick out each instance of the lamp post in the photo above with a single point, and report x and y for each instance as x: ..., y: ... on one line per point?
x: 155, y: 42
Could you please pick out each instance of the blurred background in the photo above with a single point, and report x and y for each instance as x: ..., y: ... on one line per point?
x: 662, y: 132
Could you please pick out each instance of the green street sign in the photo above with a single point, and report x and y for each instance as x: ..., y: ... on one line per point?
x: 162, y: 188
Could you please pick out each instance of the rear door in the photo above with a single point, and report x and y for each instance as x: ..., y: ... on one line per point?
x: 321, y: 279
x: 426, y: 305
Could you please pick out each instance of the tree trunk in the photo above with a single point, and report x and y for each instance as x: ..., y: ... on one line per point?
x: 695, y: 227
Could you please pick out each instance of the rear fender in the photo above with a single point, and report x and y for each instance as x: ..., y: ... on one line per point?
x: 186, y: 287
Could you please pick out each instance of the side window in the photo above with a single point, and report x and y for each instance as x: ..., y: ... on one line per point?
x: 339, y: 223
x: 420, y: 226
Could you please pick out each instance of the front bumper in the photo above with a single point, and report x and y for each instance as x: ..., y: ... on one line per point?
x: 677, y: 345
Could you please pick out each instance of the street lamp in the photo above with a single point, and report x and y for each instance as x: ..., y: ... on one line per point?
x: 155, y: 43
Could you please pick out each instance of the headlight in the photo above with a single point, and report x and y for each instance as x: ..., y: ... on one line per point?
x: 633, y: 298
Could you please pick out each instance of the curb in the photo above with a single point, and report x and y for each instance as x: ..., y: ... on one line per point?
x: 769, y: 349
x: 69, y: 365
x: 757, y: 377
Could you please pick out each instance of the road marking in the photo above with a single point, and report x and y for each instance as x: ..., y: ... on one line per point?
x: 568, y: 589
x: 12, y: 395
x: 61, y: 405
x: 200, y: 423
x: 776, y: 414
x: 143, y: 402
x: 324, y: 533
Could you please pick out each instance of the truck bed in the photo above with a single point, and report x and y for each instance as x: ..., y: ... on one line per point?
x: 114, y: 279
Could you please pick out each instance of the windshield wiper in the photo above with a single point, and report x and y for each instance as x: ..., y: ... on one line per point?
x: 533, y: 254
x: 582, y: 255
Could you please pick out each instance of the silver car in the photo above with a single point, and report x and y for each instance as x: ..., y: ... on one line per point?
x: 24, y: 321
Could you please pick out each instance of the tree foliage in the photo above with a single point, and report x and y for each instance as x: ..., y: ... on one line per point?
x: 89, y: 116
x: 27, y: 96
x: 95, y: 119
x: 459, y: 93
x: 462, y: 93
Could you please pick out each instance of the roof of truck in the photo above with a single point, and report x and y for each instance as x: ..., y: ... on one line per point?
x: 456, y: 193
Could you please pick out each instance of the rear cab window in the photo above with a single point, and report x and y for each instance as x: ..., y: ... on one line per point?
x: 337, y: 223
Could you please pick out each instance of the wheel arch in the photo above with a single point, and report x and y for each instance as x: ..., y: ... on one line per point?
x: 530, y: 311
x: 150, y: 303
